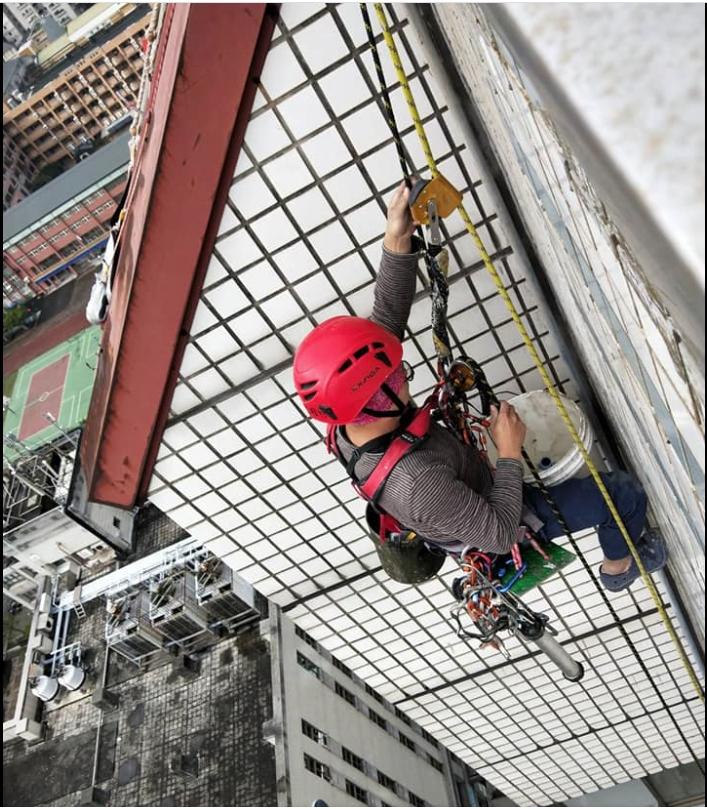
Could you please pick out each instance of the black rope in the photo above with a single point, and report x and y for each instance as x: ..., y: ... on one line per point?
x: 387, y: 106
x: 439, y: 291
x: 439, y: 288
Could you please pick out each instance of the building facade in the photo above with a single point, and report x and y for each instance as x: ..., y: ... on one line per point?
x: 75, y: 90
x: 19, y: 20
x: 55, y: 234
x: 338, y: 740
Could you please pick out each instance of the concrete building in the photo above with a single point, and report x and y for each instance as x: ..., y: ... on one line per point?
x: 56, y: 232
x: 18, y: 169
x: 76, y: 88
x: 19, y: 20
x: 338, y: 740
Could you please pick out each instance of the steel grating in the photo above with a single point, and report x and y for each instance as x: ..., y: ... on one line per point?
x: 243, y: 471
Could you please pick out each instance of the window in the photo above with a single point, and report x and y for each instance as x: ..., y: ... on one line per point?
x: 387, y: 782
x: 352, y: 758
x: 316, y: 767
x: 426, y: 736
x: 306, y: 663
x: 69, y: 249
x: 313, y: 733
x: 377, y: 718
x: 415, y: 800
x: 376, y: 696
x: 402, y: 716
x: 60, y: 235
x: 406, y: 741
x: 342, y: 668
x: 356, y: 791
x: 308, y: 639
x: 344, y: 693
x: 435, y: 763
x: 93, y: 234
x: 48, y: 262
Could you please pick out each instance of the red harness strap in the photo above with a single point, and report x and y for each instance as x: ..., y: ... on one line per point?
x: 371, y: 489
x: 407, y: 441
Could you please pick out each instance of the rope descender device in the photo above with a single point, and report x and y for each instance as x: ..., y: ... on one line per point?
x: 430, y: 201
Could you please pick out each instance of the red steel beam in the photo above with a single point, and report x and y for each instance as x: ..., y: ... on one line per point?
x: 207, y: 60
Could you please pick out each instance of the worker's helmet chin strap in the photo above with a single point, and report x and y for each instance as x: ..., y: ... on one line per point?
x: 402, y: 408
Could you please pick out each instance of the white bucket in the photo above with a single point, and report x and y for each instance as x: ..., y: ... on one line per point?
x: 547, y: 441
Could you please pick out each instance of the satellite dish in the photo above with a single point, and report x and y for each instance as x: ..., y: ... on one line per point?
x: 72, y: 677
x: 45, y: 688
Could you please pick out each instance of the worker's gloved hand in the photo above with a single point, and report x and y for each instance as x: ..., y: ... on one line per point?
x: 399, y: 226
x: 507, y: 430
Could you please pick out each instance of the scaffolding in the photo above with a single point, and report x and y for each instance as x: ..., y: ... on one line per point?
x: 35, y: 479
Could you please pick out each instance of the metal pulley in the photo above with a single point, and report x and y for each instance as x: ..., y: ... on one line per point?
x: 462, y: 376
x: 430, y: 198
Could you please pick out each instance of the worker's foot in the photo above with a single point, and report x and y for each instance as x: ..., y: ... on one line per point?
x: 654, y: 555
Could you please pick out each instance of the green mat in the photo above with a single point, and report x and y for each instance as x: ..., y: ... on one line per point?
x: 538, y: 570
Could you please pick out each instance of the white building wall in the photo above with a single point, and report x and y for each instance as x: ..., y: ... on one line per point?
x: 602, y: 148
x: 310, y: 695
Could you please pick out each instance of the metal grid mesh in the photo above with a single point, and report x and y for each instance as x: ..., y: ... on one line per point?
x: 242, y: 469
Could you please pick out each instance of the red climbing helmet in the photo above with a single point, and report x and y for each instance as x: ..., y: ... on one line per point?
x: 341, y: 364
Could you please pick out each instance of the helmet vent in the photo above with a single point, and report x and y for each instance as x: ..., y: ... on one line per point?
x: 327, y: 411
x: 381, y: 356
x: 361, y: 351
x: 344, y: 366
x: 378, y: 345
x: 308, y: 396
x: 308, y: 385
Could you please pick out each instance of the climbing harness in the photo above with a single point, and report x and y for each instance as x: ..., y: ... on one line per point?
x: 404, y: 555
x: 527, y: 340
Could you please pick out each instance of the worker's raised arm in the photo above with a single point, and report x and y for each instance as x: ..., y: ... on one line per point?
x: 395, y: 285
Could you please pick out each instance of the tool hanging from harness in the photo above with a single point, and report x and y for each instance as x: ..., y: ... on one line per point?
x: 403, y: 554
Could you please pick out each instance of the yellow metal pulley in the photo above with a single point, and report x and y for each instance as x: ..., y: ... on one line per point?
x: 437, y: 195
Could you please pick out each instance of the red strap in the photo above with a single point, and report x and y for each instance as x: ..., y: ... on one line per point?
x: 399, y: 447
x: 331, y: 445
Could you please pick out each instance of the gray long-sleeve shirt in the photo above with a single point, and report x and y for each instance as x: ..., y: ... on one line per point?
x: 443, y: 489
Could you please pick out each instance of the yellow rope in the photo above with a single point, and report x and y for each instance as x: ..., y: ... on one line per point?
x: 498, y: 282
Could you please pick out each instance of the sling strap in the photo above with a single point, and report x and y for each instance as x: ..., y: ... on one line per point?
x: 403, y: 443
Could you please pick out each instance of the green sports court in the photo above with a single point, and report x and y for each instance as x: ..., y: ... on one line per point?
x: 57, y: 386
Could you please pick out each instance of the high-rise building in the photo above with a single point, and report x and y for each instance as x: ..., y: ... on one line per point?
x: 71, y: 94
x: 54, y: 234
x: 19, y: 20
x: 339, y: 740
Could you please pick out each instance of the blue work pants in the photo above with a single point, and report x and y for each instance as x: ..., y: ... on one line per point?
x: 581, y: 504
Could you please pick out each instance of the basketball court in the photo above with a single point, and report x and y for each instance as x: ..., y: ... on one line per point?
x: 51, y: 393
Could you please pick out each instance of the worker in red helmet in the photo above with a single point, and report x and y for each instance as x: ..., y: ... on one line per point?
x: 349, y: 373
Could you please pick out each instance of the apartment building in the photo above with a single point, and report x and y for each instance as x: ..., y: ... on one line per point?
x: 19, y: 20
x: 74, y: 90
x: 338, y: 740
x: 55, y: 234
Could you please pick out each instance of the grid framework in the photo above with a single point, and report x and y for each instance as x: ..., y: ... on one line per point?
x: 242, y: 469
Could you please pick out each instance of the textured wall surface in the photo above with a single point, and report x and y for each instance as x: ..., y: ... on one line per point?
x: 645, y: 111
